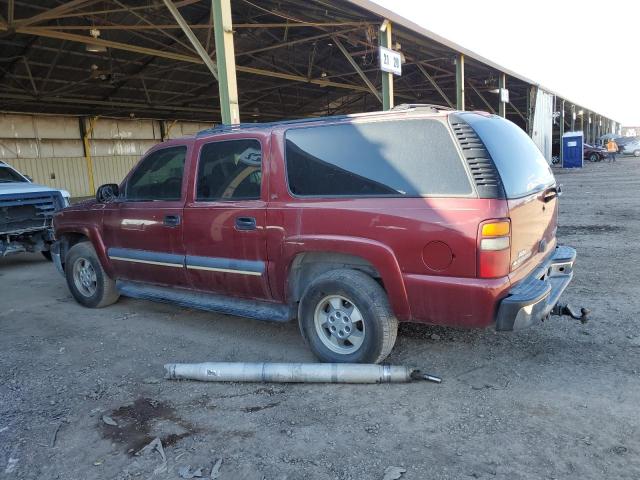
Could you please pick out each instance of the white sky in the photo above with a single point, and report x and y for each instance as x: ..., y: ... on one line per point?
x: 561, y: 44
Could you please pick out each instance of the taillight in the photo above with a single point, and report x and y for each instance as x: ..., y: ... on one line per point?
x: 494, y: 252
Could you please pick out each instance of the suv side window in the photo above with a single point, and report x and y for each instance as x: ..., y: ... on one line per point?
x: 396, y: 158
x: 229, y: 170
x: 158, y: 177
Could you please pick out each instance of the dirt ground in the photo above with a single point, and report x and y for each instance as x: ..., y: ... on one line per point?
x: 560, y: 400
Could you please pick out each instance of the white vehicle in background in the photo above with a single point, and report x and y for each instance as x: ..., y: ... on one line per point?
x: 631, y: 148
x: 26, y: 211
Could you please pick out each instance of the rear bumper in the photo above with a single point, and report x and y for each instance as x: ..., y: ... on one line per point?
x: 532, y: 299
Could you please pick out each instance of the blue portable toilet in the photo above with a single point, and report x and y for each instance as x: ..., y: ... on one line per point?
x: 572, y: 150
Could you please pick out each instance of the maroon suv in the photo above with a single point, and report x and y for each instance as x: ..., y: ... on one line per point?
x: 349, y: 224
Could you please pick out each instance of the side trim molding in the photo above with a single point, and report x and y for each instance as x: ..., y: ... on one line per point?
x: 146, y: 257
x: 211, y: 264
x: 225, y: 265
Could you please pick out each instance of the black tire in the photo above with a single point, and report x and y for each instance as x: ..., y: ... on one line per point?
x: 379, y: 326
x: 594, y: 157
x: 105, y: 292
x: 46, y: 254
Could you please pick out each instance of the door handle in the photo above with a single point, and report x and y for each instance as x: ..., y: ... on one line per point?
x: 550, y: 195
x: 171, y: 220
x: 245, y: 223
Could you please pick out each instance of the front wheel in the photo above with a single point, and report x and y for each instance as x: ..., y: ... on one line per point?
x: 594, y: 157
x: 636, y: 153
x: 345, y: 317
x: 88, y: 282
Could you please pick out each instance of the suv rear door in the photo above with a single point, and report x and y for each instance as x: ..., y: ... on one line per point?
x: 529, y: 186
x: 142, y: 231
x: 225, y: 218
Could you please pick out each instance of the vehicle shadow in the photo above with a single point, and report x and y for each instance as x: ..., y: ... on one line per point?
x: 22, y: 259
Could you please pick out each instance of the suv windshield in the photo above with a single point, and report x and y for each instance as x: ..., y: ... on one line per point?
x: 8, y: 175
x: 522, y: 167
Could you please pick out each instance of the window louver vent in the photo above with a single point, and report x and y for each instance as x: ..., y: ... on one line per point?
x: 484, y: 173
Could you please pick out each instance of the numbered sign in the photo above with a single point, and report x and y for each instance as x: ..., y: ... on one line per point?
x: 390, y: 61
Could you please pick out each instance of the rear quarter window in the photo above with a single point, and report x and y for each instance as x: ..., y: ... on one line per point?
x: 398, y: 158
x: 522, y: 167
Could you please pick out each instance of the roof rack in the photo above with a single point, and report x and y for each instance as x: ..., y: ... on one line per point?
x: 249, y: 126
x: 412, y: 106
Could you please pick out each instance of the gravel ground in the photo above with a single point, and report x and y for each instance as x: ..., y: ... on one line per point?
x: 557, y: 401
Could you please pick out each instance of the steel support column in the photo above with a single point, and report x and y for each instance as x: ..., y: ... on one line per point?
x: 573, y: 118
x: 387, y: 78
x: 561, y: 130
x: 86, y: 132
x: 460, y: 82
x: 502, y: 106
x: 225, y: 56
x: 531, y: 108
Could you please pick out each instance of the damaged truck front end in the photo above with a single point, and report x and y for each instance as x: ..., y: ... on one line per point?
x: 26, y: 221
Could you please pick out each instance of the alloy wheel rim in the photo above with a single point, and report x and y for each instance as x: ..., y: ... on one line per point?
x: 84, y: 277
x: 339, y: 324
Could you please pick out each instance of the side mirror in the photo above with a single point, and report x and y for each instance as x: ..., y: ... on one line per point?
x: 107, y: 193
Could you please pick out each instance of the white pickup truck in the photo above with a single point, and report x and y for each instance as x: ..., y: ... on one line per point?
x: 26, y: 210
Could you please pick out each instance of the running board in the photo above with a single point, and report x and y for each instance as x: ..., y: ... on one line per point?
x: 240, y: 307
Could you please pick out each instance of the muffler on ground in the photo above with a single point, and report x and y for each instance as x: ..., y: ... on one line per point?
x: 295, y: 372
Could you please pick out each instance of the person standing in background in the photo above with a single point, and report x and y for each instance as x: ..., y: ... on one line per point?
x: 612, y: 149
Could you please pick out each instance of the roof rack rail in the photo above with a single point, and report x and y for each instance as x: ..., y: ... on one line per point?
x: 247, y: 126
x: 432, y: 106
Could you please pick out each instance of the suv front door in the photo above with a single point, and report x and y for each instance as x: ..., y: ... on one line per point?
x: 224, y: 221
x: 143, y: 229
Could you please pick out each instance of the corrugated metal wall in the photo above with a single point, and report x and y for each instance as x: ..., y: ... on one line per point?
x: 542, y: 131
x: 69, y: 173
x: 49, y: 148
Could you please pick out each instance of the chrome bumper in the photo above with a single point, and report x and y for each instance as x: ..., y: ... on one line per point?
x: 533, y: 299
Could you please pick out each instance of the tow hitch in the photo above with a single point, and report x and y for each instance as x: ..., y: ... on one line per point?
x: 561, y: 309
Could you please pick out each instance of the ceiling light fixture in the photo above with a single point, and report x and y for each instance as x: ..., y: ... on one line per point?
x: 95, y: 47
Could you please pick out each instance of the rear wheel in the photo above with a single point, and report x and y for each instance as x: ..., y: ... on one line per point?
x: 636, y: 153
x: 87, y: 280
x: 594, y: 157
x: 345, y: 317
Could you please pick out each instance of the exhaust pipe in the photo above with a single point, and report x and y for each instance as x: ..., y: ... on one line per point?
x: 295, y: 372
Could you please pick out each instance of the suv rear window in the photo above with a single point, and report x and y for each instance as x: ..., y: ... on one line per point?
x: 399, y: 158
x: 522, y: 167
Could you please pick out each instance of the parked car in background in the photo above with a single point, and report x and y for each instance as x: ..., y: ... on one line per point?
x: 631, y: 148
x: 26, y: 212
x: 349, y: 224
x: 593, y: 153
x: 623, y: 141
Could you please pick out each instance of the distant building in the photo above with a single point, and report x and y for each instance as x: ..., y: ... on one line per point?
x: 631, y: 131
